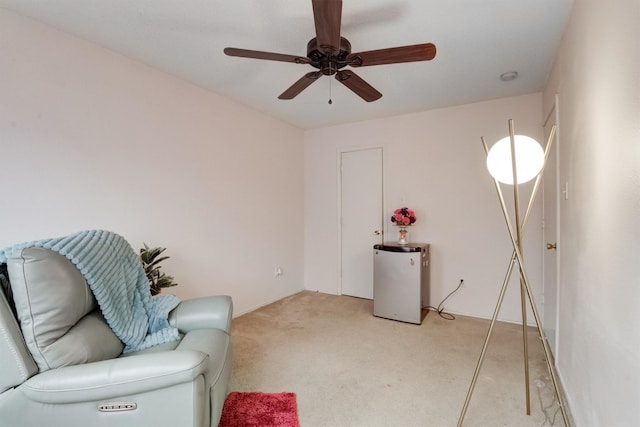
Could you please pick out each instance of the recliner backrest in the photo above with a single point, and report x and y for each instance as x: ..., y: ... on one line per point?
x: 57, y: 313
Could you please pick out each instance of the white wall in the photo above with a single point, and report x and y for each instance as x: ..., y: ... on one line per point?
x: 91, y: 139
x: 597, y: 78
x: 434, y: 163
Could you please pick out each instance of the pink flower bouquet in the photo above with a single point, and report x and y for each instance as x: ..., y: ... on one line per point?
x: 403, y: 217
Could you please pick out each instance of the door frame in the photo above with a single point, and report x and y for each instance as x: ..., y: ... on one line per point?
x: 555, y: 113
x: 340, y: 151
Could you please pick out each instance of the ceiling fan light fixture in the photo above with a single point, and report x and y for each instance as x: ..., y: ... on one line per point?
x: 508, y: 76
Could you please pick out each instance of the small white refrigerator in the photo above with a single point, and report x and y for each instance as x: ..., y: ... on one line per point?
x: 401, y: 281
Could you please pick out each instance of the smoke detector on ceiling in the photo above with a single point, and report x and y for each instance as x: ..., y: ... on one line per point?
x: 508, y: 76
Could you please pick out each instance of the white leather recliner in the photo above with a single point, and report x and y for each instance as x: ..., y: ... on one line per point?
x: 61, y: 364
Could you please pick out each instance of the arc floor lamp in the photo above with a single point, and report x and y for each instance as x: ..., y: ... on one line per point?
x: 515, y: 160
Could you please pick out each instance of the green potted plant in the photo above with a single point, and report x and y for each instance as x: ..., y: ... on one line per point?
x: 151, y: 264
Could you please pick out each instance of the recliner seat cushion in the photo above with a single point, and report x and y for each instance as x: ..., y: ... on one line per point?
x: 58, y: 315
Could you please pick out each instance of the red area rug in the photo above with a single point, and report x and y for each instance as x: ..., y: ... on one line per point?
x: 260, y: 410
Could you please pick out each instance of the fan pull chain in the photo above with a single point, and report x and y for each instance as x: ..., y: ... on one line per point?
x: 330, y: 75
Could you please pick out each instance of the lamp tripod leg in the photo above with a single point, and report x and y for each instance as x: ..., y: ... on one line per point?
x: 486, y: 340
x: 524, y: 281
x: 525, y: 347
x: 518, y: 242
x: 545, y: 345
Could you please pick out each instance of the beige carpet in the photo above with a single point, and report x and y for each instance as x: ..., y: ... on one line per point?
x: 349, y: 368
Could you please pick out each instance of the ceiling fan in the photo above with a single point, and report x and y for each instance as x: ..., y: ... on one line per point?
x: 330, y: 53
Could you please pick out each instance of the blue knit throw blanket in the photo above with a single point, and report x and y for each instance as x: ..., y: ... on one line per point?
x: 118, y: 281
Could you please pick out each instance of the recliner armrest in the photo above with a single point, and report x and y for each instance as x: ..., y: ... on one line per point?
x: 203, y: 313
x: 15, y: 359
x: 108, y: 379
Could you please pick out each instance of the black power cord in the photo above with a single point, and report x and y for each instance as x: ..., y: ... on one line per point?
x: 440, y: 308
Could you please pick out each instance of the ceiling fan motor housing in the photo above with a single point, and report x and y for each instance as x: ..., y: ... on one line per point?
x: 326, y: 61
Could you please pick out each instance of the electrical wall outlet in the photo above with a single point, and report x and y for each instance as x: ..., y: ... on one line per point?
x: 277, y: 272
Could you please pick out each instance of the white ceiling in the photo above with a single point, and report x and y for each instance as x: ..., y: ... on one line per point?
x: 477, y: 41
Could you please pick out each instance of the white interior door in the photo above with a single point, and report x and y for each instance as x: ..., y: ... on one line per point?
x: 550, y: 237
x: 360, y: 219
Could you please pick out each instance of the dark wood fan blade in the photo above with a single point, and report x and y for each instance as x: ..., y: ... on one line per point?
x: 300, y: 85
x: 361, y: 88
x: 393, y: 55
x: 257, y: 54
x: 327, y: 15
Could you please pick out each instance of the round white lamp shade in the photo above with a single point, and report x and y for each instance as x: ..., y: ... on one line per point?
x: 529, y: 159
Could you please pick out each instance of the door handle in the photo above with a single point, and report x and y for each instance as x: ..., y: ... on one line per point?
x: 551, y: 246
x: 377, y: 232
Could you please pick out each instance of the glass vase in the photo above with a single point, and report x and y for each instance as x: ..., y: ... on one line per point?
x: 402, y: 237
